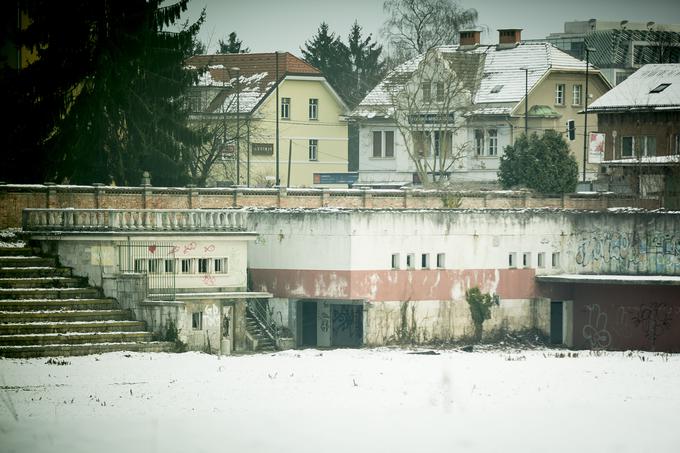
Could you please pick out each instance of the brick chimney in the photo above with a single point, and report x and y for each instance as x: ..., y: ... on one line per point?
x: 509, y: 37
x: 470, y: 38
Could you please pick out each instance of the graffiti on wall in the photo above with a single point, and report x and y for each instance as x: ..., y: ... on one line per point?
x: 653, y: 320
x: 657, y: 253
x: 595, y: 329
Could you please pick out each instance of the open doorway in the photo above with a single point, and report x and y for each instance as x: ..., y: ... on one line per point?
x: 347, y: 322
x: 556, y: 322
x: 309, y: 310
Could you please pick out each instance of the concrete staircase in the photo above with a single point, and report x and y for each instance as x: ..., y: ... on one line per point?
x: 255, y: 329
x: 46, y: 311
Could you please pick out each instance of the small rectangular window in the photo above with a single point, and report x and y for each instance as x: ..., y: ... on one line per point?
x: 313, y: 109
x: 479, y: 142
x: 389, y: 143
x: 186, y: 265
x: 155, y: 266
x: 660, y: 88
x: 313, y: 149
x: 440, y: 92
x: 441, y: 258
x: 377, y: 143
x: 541, y: 260
x: 556, y: 259
x: 285, y: 108
x: 169, y: 266
x: 140, y: 265
x: 425, y: 261
x: 577, y: 98
x: 197, y: 320
x: 648, y: 145
x: 220, y: 265
x: 410, y: 261
x: 559, y: 94
x: 627, y: 146
x: 426, y: 88
x: 526, y: 259
x: 493, y: 141
x: 395, y: 261
x: 512, y: 260
x: 203, y: 267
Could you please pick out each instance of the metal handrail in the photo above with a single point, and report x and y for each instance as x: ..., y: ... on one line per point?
x: 264, y: 315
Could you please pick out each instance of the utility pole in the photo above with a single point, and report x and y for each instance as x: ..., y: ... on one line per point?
x: 585, y: 117
x: 238, y: 125
x: 278, y: 181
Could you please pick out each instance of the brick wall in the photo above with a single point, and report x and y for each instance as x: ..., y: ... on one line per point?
x: 14, y: 198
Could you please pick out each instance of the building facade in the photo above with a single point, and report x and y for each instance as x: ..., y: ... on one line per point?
x: 236, y: 98
x: 466, y: 104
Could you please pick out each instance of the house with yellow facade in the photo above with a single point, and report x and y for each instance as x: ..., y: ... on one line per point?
x: 272, y: 119
x: 447, y: 115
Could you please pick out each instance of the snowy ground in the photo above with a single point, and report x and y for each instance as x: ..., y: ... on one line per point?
x: 343, y: 401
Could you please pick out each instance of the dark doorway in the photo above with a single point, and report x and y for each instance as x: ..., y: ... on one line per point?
x: 347, y: 321
x: 308, y: 323
x: 556, y: 315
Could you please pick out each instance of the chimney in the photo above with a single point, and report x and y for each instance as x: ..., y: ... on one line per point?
x: 509, y: 37
x: 469, y: 38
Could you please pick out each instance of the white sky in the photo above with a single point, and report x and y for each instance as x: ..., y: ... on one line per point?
x: 285, y: 25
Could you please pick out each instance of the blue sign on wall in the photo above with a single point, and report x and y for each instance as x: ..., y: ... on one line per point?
x: 336, y: 178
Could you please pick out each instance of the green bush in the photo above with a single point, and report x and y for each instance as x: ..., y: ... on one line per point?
x: 543, y: 164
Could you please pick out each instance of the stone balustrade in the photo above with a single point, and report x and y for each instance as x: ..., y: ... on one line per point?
x: 132, y: 220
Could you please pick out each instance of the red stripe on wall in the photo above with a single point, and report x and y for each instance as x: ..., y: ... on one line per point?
x: 385, y: 285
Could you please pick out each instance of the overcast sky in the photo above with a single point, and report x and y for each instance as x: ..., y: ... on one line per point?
x: 285, y: 25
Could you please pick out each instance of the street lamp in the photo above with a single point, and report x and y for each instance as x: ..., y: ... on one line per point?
x: 277, y: 117
x: 585, y: 118
x: 526, y: 100
x: 238, y: 124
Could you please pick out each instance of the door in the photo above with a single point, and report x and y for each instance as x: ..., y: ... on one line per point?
x: 347, y: 324
x: 309, y: 323
x: 556, y: 322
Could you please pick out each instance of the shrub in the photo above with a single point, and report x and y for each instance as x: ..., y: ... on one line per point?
x: 543, y: 164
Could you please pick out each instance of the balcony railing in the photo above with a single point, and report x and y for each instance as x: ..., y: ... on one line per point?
x: 132, y: 220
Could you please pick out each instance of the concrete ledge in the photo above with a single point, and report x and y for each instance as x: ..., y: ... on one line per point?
x: 673, y: 280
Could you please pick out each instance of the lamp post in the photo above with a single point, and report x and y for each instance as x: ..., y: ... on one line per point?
x: 277, y: 118
x: 238, y: 124
x: 526, y: 100
x: 585, y: 117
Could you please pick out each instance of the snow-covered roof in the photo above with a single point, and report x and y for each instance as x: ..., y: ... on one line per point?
x: 252, y: 75
x: 652, y: 87
x: 502, y: 84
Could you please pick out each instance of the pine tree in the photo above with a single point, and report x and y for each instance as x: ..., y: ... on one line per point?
x: 367, y: 67
x: 104, y: 97
x: 233, y: 45
x: 326, y: 52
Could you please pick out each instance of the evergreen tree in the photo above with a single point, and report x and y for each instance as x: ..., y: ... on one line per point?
x: 103, y: 100
x: 543, y: 164
x: 330, y: 55
x: 367, y: 68
x: 232, y: 45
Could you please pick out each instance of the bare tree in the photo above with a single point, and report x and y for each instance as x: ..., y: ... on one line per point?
x: 414, y: 26
x: 429, y: 99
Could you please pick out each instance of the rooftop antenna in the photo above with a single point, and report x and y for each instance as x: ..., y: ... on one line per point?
x: 623, y: 24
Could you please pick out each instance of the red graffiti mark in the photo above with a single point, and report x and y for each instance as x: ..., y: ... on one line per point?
x: 209, y: 248
x: 152, y: 249
x: 189, y: 247
x: 208, y: 280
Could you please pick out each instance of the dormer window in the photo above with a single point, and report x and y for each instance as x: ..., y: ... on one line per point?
x: 497, y: 89
x: 660, y: 88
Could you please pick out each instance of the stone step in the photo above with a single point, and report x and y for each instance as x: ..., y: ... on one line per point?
x: 41, y: 282
x: 83, y: 349
x: 26, y: 261
x: 21, y: 328
x: 63, y: 315
x: 49, y: 293
x: 74, y: 338
x: 33, y: 272
x: 14, y: 251
x: 57, y: 304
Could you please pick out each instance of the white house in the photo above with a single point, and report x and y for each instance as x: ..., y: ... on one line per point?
x: 450, y: 112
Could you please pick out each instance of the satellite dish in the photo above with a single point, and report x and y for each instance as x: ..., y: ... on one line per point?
x: 650, y: 24
x: 623, y: 24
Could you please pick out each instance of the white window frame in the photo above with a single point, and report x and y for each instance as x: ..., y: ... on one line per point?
x: 541, y: 260
x: 425, y: 261
x: 426, y: 88
x: 645, y: 141
x: 478, y: 136
x: 221, y: 265
x: 493, y: 142
x: 285, y: 108
x: 577, y: 94
x: 383, y: 144
x: 411, y: 261
x: 555, y: 259
x: 197, y: 320
x: 313, y: 149
x: 396, y: 264
x: 441, y: 260
x: 313, y: 109
x: 631, y: 154
x: 559, y: 94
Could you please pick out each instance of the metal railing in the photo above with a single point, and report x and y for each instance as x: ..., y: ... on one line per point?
x: 264, y: 315
x: 132, y: 220
x: 157, y: 261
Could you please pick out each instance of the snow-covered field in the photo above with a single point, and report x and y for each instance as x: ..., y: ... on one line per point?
x: 373, y: 400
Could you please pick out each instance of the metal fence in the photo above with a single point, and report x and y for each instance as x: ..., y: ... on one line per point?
x: 156, y: 260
